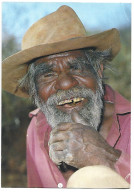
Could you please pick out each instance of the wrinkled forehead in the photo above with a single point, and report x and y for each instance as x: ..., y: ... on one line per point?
x: 61, y: 57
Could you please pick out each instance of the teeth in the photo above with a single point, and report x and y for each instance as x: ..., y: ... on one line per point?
x: 77, y: 99
x: 74, y: 100
x: 65, y: 102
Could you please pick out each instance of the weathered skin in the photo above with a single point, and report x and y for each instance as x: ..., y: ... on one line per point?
x: 76, y: 143
x: 79, y: 145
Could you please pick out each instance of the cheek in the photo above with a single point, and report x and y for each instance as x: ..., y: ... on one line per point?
x: 88, y: 82
x: 46, y: 91
x: 91, y: 83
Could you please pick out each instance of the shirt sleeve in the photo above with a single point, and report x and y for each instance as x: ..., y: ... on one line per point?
x: 33, y: 177
x: 122, y: 166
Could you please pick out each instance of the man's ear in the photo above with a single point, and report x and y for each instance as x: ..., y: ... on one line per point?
x: 100, y: 71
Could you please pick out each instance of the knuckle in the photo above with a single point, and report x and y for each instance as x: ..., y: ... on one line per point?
x: 69, y: 158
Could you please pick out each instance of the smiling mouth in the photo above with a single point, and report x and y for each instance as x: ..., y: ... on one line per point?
x: 71, y: 102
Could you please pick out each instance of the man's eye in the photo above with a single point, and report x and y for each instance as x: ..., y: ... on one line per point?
x: 49, y: 75
x: 75, y: 68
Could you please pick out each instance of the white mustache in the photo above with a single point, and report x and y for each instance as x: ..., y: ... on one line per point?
x: 77, y: 92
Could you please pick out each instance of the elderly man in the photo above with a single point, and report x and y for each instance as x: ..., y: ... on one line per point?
x: 80, y: 134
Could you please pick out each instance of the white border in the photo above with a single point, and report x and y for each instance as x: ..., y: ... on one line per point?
x: 35, y: 190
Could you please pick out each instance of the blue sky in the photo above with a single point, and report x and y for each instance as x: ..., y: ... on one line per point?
x: 17, y: 17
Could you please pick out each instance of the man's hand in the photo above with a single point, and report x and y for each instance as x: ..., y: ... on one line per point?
x: 79, y: 145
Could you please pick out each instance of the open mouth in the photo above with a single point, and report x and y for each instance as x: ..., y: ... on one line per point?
x: 71, y: 103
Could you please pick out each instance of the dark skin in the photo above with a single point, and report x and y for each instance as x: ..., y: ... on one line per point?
x: 76, y: 143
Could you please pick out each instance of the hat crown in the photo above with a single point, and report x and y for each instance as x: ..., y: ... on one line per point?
x: 55, y: 27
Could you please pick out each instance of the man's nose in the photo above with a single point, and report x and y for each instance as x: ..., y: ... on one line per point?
x: 65, y: 81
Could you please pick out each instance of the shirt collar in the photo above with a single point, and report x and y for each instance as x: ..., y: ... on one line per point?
x: 122, y: 105
x: 34, y: 112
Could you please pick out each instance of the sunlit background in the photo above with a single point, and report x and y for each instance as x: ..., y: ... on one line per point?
x: 16, y: 19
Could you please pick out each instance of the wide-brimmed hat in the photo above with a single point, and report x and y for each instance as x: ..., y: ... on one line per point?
x: 57, y: 32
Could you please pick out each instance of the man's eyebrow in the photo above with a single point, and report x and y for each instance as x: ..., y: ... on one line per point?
x: 77, y: 63
x: 43, y: 68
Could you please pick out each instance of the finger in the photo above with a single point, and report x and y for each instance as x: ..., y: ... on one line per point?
x: 62, y: 127
x: 61, y: 156
x: 57, y: 157
x: 77, y: 118
x: 59, y: 136
x: 58, y: 146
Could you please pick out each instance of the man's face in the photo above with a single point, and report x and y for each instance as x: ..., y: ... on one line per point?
x: 65, y: 85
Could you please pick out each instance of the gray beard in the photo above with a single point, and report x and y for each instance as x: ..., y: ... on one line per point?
x: 91, y: 111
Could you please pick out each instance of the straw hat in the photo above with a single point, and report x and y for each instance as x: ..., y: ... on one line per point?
x: 57, y: 32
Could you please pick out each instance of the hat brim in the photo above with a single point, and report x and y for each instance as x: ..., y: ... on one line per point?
x: 15, y: 66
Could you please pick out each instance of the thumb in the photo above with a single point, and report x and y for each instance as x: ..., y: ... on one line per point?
x: 77, y: 118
